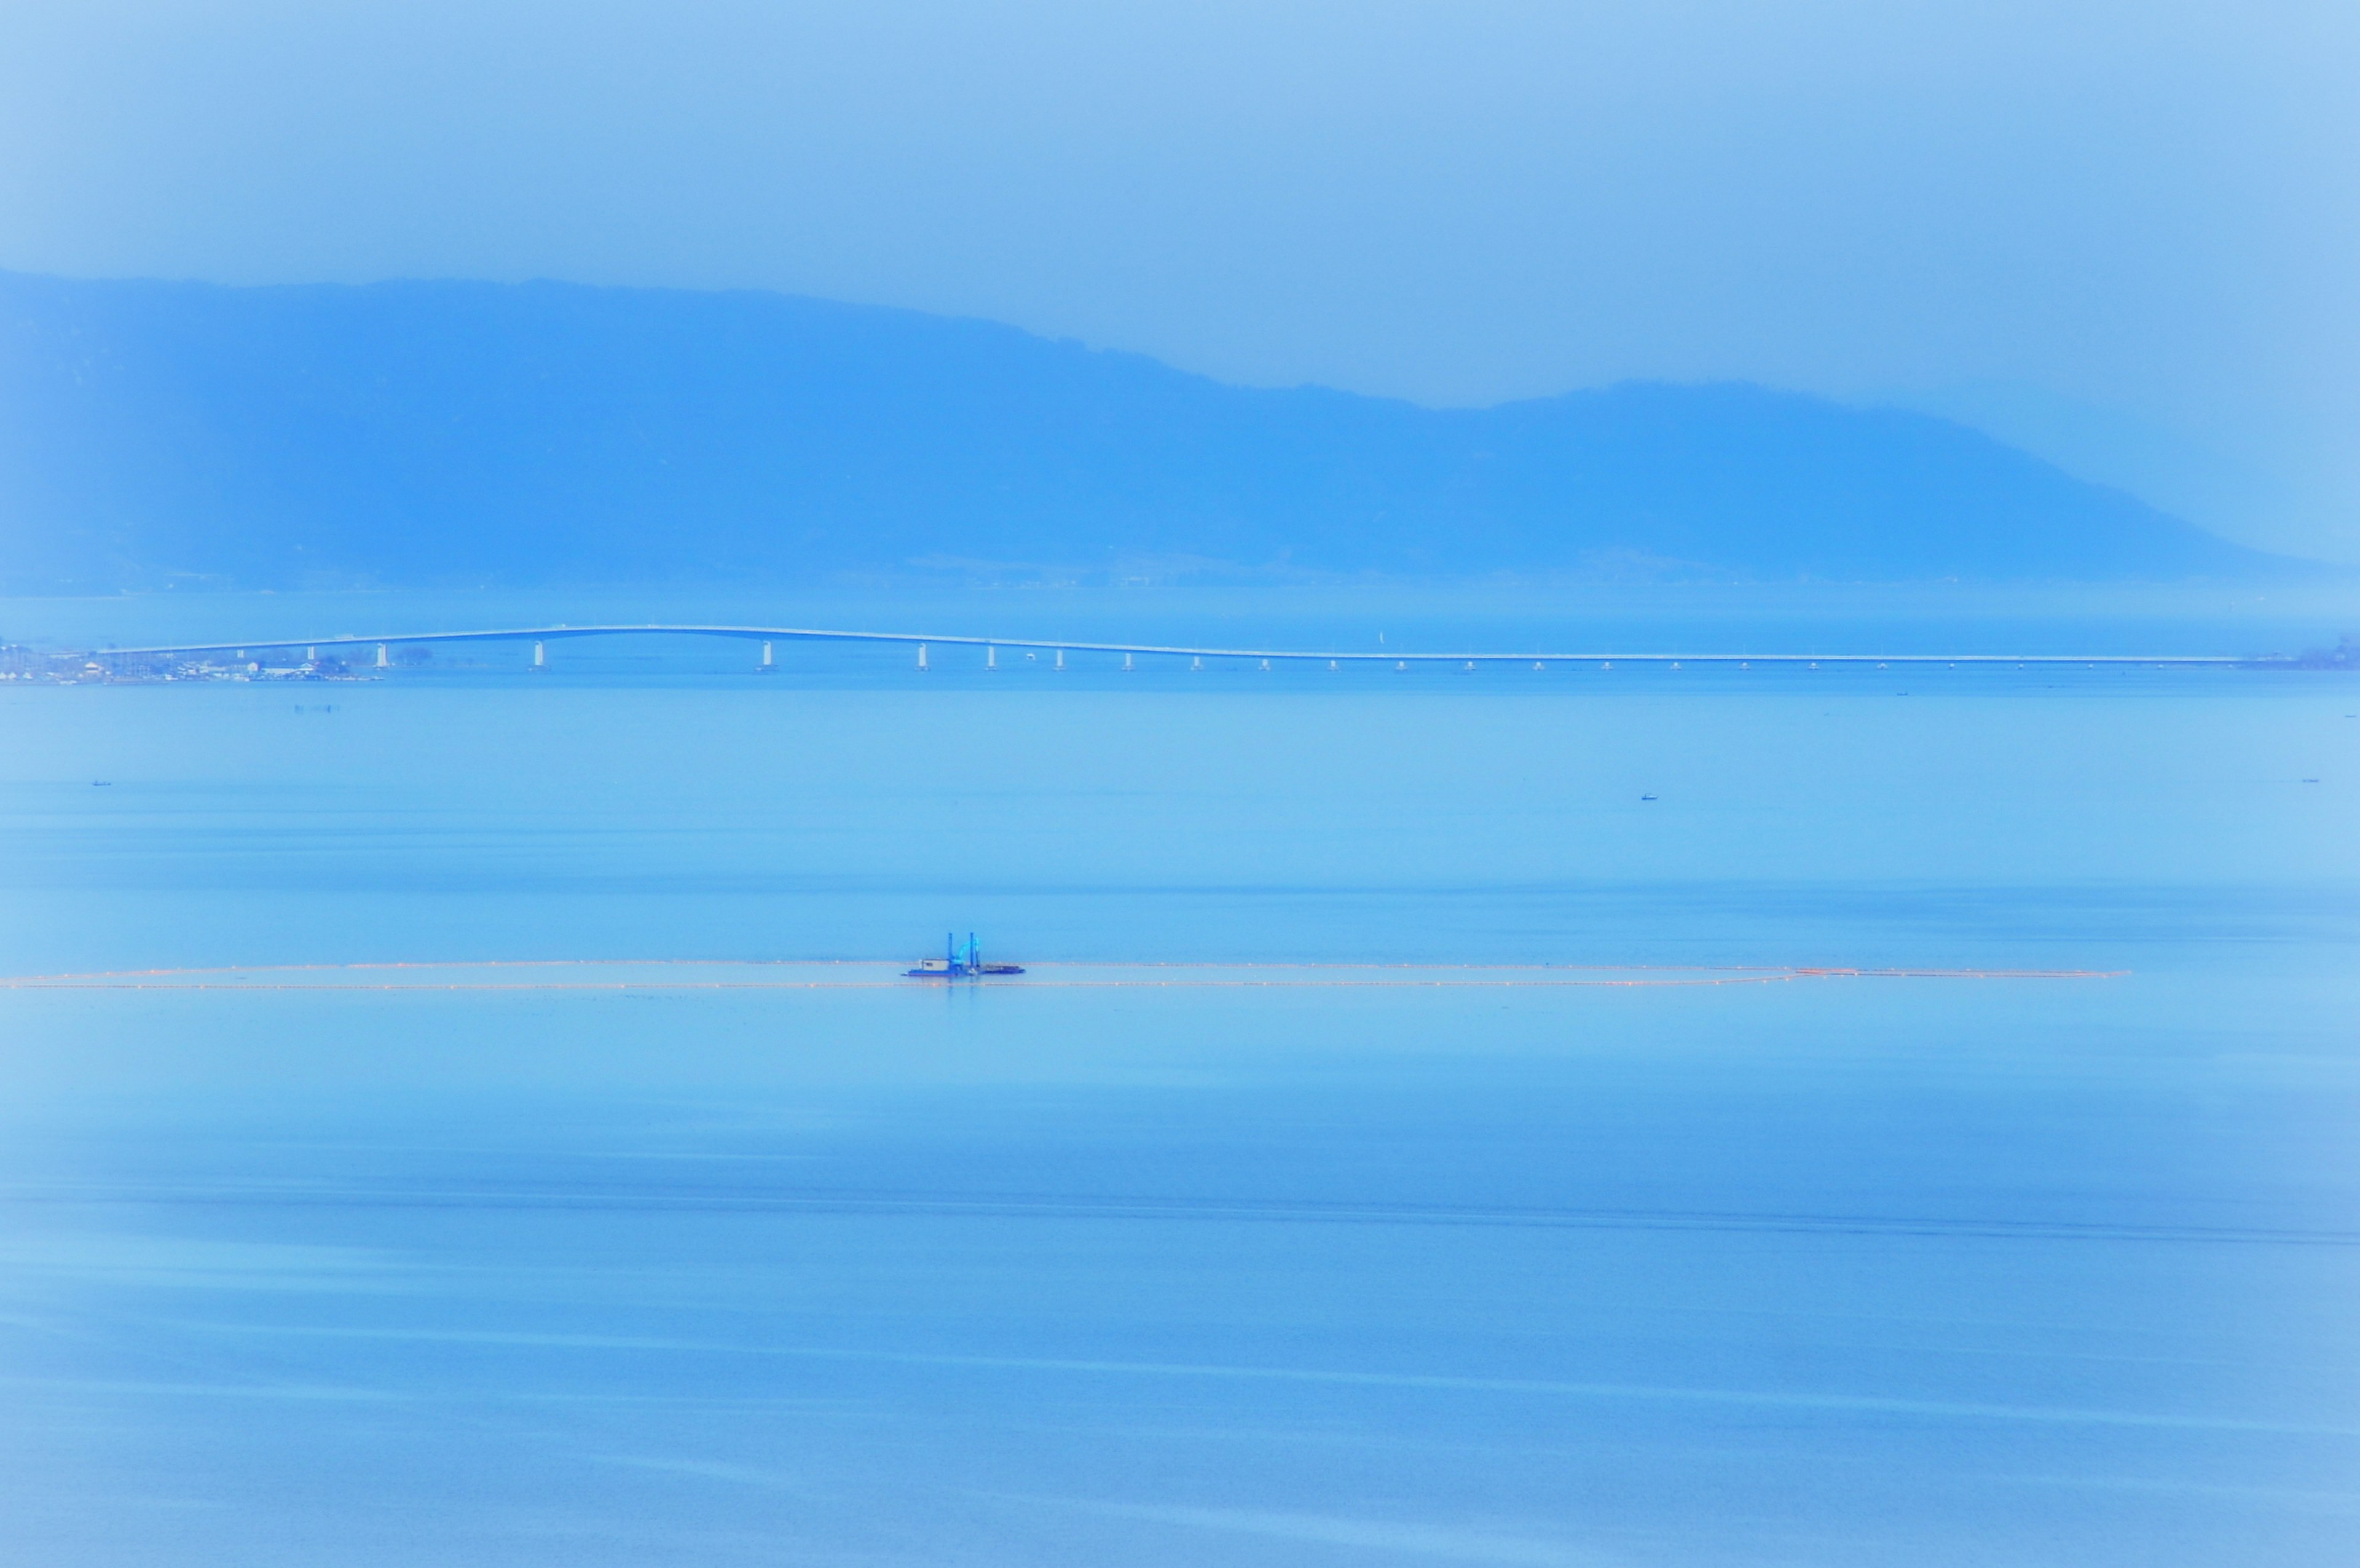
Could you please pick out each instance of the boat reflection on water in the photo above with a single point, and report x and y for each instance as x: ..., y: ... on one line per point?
x: 960, y: 962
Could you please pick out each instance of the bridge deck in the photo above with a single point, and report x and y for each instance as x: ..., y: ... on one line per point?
x: 811, y: 634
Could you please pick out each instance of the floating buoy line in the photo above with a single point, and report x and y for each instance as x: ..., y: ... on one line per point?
x: 807, y: 975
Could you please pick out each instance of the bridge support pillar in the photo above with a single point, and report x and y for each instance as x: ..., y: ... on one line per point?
x: 311, y: 655
x: 769, y: 664
x: 381, y: 659
x: 1060, y: 659
x: 922, y: 656
x: 1196, y: 664
x: 540, y: 656
x: 1126, y: 662
x: 991, y: 656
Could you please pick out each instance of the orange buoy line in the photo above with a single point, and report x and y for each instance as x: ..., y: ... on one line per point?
x: 428, y: 976
x: 1960, y: 974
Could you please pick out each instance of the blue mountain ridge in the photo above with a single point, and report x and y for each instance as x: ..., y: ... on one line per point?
x: 453, y: 433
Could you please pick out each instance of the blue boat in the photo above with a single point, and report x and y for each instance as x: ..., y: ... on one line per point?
x: 960, y: 962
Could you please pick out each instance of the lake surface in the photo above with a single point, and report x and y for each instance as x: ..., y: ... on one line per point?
x: 599, y: 1263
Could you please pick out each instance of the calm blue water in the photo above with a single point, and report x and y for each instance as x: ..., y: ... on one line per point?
x: 1829, y: 1272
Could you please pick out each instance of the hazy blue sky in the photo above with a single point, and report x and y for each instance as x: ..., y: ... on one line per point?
x: 2125, y: 232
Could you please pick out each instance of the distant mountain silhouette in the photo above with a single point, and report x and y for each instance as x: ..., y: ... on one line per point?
x: 420, y: 433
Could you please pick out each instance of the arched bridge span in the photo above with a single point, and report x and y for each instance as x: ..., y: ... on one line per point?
x: 375, y: 649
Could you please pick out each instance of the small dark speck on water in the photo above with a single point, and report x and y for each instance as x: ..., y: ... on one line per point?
x: 1646, y: 797
x: 99, y: 783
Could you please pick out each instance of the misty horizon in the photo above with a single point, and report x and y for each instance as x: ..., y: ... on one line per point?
x: 2117, y: 238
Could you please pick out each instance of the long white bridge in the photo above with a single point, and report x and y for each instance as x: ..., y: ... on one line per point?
x: 376, y: 650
